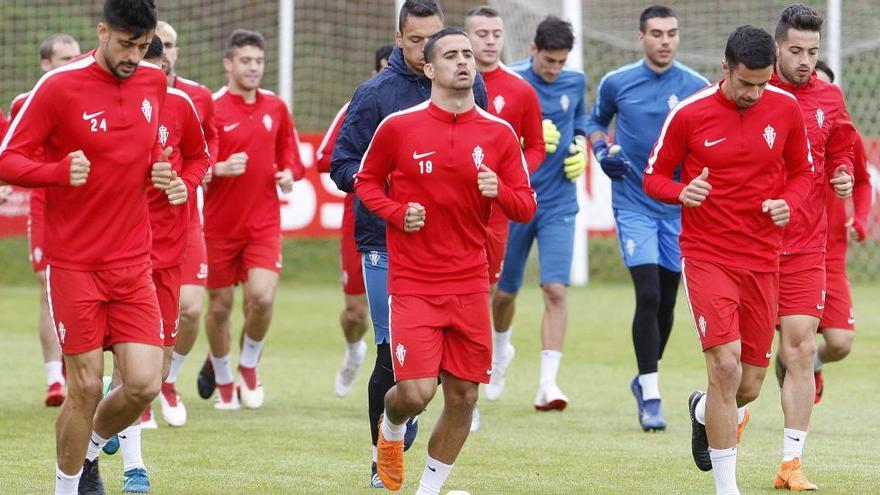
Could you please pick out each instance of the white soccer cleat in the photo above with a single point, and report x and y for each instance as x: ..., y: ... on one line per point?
x: 499, y: 374
x: 173, y: 410
x: 475, y: 419
x: 550, y: 398
x: 250, y: 390
x: 148, y: 420
x: 346, y: 373
x: 227, y: 399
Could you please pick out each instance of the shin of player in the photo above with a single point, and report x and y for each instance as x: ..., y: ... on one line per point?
x: 257, y: 154
x: 732, y: 294
x: 440, y: 321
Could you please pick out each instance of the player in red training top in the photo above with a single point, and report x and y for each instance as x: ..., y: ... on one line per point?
x: 353, y: 318
x: 839, y: 318
x: 55, y: 51
x: 194, y: 269
x: 258, y: 151
x: 438, y: 275
x: 97, y: 119
x: 515, y: 101
x: 802, y: 265
x: 745, y: 169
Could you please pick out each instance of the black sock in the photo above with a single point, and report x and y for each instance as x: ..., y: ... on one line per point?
x: 666, y: 314
x: 381, y: 381
x: 645, y: 332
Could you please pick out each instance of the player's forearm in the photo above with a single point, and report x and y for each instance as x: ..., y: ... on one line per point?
x: 194, y: 171
x: 598, y: 135
x: 18, y: 170
x: 662, y: 188
x: 861, y: 203
x: 518, y: 203
x: 535, y: 154
x: 372, y: 195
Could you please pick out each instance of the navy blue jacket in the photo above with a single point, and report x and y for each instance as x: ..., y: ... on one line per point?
x: 394, y: 89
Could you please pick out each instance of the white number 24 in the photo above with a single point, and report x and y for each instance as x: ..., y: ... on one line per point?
x: 96, y: 125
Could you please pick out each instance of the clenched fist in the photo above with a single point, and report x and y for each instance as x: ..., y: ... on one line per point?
x: 79, y: 168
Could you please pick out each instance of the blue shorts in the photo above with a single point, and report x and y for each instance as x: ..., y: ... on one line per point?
x: 376, y: 284
x: 555, y: 234
x: 645, y: 240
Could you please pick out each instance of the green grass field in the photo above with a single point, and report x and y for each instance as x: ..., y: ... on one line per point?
x: 306, y: 441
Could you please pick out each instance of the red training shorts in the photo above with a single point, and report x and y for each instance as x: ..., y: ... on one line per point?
x: 194, y: 269
x: 230, y: 259
x: 433, y: 333
x: 36, y: 233
x: 729, y: 304
x: 94, y: 310
x: 167, y: 282
x: 802, y: 284
x: 839, y: 312
x: 352, y: 266
x: 496, y: 243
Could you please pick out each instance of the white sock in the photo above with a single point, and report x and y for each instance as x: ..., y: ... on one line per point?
x: 792, y: 443
x: 130, y: 444
x: 374, y: 452
x: 391, y: 431
x: 250, y: 352
x: 434, y: 476
x: 817, y: 363
x: 549, y: 366
x: 95, y: 446
x: 222, y: 371
x: 176, y: 363
x: 650, y: 383
x: 740, y: 414
x: 724, y: 467
x: 500, y: 341
x: 700, y: 410
x: 53, y: 372
x: 66, y: 484
x: 353, y: 351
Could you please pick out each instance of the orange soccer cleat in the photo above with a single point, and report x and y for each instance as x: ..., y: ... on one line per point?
x: 389, y: 461
x: 55, y: 395
x: 790, y: 477
x: 740, y: 428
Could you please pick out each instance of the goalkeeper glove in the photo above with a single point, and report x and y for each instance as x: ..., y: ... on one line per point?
x: 551, y: 136
x: 576, y: 162
x: 614, y: 165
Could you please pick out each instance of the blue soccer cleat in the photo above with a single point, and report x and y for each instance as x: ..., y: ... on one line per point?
x: 135, y: 481
x: 112, y: 445
x: 650, y: 411
x: 412, y: 429
x: 375, y: 480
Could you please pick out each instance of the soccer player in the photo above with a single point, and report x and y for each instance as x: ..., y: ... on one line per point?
x: 745, y: 167
x: 402, y: 85
x: 838, y: 319
x: 353, y: 318
x: 55, y: 51
x: 437, y: 208
x: 97, y: 119
x: 802, y: 265
x: 514, y: 101
x: 194, y: 268
x: 561, y: 92
x: 640, y: 95
x: 258, y: 152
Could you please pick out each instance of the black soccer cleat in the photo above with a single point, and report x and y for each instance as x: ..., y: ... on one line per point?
x: 90, y: 482
x: 699, y: 441
x: 205, y: 382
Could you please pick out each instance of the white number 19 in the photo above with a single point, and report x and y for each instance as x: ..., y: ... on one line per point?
x: 425, y: 167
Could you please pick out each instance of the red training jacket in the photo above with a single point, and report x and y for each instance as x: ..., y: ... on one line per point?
x: 838, y: 217
x: 203, y: 100
x: 325, y: 149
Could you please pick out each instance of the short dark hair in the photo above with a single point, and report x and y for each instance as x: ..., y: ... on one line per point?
x: 156, y: 48
x: 417, y: 8
x: 132, y: 16
x: 750, y: 46
x: 800, y: 17
x: 383, y: 53
x: 554, y: 33
x: 47, y: 47
x: 482, y: 11
x: 243, y: 37
x: 432, y: 41
x: 824, y: 67
x: 652, y: 12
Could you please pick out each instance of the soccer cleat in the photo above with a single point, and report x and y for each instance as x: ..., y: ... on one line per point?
x: 412, y: 430
x: 346, y: 374
x: 250, y: 390
x: 820, y: 386
x: 550, y: 398
x: 90, y: 481
x: 148, y: 421
x: 389, y: 461
x: 112, y: 445
x: 650, y: 411
x: 699, y: 441
x: 790, y: 477
x: 227, y: 399
x: 55, y: 395
x: 206, y: 382
x: 499, y: 374
x: 475, y: 419
x: 780, y: 370
x: 375, y: 480
x: 135, y: 481
x: 173, y: 410
x: 740, y: 428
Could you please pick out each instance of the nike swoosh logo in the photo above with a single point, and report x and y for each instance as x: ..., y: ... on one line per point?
x: 201, y: 277
x: 709, y: 144
x: 174, y: 334
x: 850, y: 321
x: 433, y: 469
x: 122, y: 436
x: 90, y: 116
x: 227, y: 128
x: 94, y: 442
x: 768, y: 354
x: 417, y: 156
x: 793, y: 438
x: 820, y: 307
